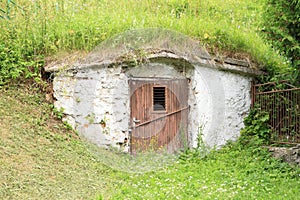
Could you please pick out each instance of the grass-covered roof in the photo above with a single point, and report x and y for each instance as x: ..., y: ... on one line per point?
x: 35, y: 29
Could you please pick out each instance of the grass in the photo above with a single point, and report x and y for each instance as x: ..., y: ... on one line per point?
x: 41, y: 27
x: 41, y: 159
x: 227, y: 174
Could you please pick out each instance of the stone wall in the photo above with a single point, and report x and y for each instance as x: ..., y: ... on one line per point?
x: 218, y: 101
x: 91, y: 96
x: 290, y: 155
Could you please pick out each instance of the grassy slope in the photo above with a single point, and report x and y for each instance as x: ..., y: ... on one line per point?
x: 40, y: 159
x: 48, y: 27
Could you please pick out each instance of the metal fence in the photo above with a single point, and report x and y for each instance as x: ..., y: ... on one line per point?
x: 283, y: 107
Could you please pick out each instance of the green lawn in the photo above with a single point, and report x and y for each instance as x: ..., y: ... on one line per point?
x: 40, y: 159
x: 229, y: 174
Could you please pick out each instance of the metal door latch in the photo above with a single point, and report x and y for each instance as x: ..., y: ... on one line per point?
x: 135, y: 120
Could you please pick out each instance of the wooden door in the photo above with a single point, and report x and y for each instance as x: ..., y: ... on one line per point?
x: 159, y: 114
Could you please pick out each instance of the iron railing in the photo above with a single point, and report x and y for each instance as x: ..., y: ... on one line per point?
x: 283, y: 107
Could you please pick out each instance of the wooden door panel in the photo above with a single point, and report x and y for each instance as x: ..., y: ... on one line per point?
x: 154, y: 129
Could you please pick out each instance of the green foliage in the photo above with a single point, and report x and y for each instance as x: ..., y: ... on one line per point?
x: 197, y: 153
x: 34, y: 29
x: 234, y: 172
x: 281, y: 28
x: 14, y: 65
x: 58, y: 113
x: 256, y: 124
x: 67, y: 126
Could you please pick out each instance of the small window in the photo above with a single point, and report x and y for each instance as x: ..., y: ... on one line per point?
x: 159, y: 98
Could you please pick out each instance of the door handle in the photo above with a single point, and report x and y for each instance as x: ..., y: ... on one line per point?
x: 136, y: 120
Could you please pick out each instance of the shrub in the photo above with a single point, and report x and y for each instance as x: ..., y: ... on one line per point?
x: 281, y: 22
x: 256, y: 126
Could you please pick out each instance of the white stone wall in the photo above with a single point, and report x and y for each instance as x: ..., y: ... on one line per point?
x: 218, y: 102
x: 92, y: 95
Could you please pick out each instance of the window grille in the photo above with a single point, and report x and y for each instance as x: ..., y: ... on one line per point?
x: 159, y: 98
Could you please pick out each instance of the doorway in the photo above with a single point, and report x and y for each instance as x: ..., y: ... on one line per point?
x: 158, y: 114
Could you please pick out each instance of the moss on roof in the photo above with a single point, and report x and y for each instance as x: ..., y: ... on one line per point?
x: 138, y: 46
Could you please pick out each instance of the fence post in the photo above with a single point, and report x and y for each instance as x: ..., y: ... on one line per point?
x: 253, y: 93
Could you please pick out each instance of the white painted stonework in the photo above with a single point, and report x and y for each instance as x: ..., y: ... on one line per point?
x: 92, y: 95
x: 219, y: 97
x: 219, y: 101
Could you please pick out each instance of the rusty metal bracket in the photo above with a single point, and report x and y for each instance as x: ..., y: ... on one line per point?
x: 152, y: 120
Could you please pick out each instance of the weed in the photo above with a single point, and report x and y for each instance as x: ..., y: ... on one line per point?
x: 58, y: 113
x: 67, y: 126
x: 197, y: 153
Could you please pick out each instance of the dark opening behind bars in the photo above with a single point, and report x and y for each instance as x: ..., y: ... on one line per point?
x: 283, y: 107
